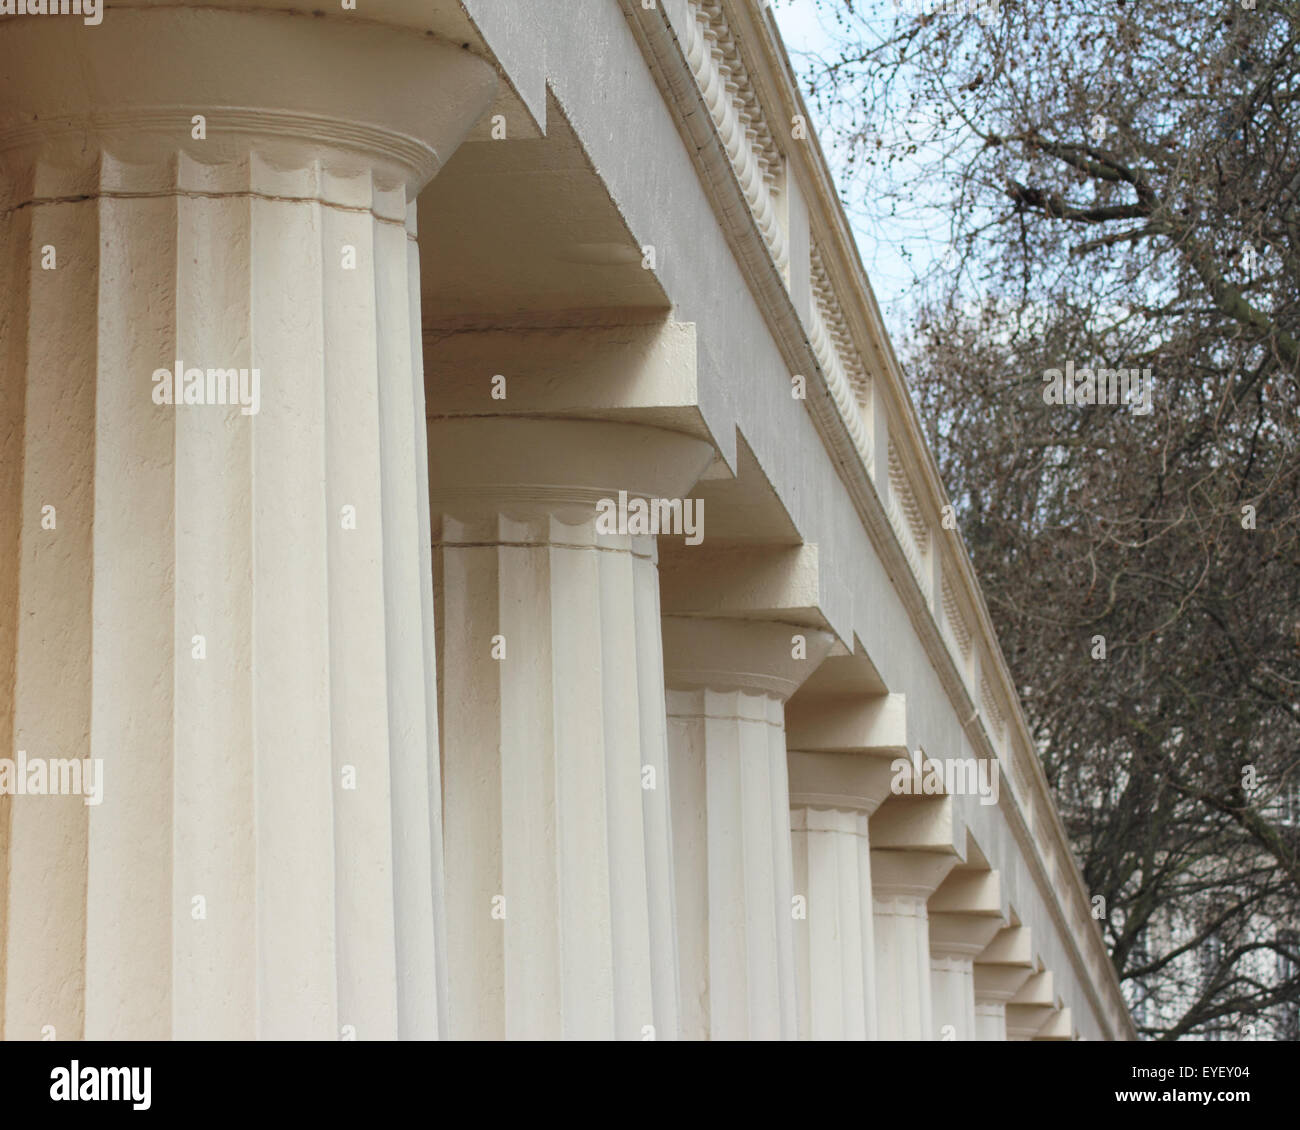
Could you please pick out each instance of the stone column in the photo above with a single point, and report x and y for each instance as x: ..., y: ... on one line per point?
x: 911, y: 857
x: 228, y: 603
x: 965, y: 914
x: 990, y: 1018
x: 728, y: 681
x: 1001, y: 968
x: 841, y: 749
x: 955, y: 941
x: 559, y: 874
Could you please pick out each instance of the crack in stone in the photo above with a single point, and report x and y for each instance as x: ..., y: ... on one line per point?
x: 195, y: 194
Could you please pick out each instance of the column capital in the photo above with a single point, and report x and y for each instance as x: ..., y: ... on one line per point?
x: 961, y: 936
x: 1012, y: 945
x: 316, y: 102
x: 908, y: 875
x: 910, y: 823
x: 487, y: 466
x: 856, y: 783
x: 965, y: 913
x: 758, y: 656
x: 1004, y: 965
x: 1024, y: 1021
x: 997, y: 984
x: 837, y: 819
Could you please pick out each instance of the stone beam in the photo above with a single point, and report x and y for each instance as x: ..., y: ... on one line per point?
x: 640, y: 373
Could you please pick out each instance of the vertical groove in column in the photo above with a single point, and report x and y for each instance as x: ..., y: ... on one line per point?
x: 729, y: 885
x: 531, y: 981
x: 466, y: 584
x: 48, y: 364
x: 358, y: 698
x: 294, y: 818
x: 411, y: 757
x: 760, y: 848
x: 688, y: 769
x: 429, y: 647
x: 626, y: 846
x: 581, y: 788
x: 782, y: 866
x: 214, y: 983
x: 656, y: 828
x: 129, y: 911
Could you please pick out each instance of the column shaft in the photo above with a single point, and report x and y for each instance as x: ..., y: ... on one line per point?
x: 218, y: 576
x: 554, y: 742
x: 990, y: 1020
x: 733, y: 860
x: 903, y: 968
x: 953, y: 989
x: 835, y: 945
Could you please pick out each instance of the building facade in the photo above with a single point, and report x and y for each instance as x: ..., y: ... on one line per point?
x: 462, y: 516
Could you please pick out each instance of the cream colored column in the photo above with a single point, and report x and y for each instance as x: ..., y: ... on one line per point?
x: 727, y: 684
x: 911, y: 856
x: 990, y: 1018
x: 834, y: 954
x: 952, y: 991
x: 965, y: 914
x: 841, y: 749
x: 1000, y: 970
x: 229, y: 604
x: 554, y: 748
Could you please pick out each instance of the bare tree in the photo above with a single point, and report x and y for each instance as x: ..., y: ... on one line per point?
x: 1120, y: 184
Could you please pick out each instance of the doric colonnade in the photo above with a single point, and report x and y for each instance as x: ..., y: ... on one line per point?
x: 399, y: 737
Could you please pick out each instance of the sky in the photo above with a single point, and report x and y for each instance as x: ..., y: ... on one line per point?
x: 885, y: 243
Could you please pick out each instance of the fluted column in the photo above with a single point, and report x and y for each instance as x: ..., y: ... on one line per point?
x: 902, y: 882
x: 228, y: 603
x: 990, y: 1019
x: 832, y: 796
x: 955, y: 940
x: 559, y: 875
x: 727, y: 683
x: 833, y: 943
x: 912, y: 853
